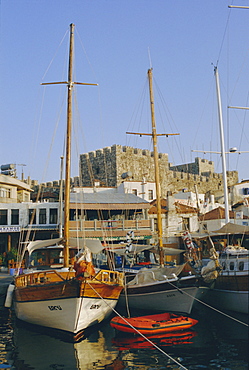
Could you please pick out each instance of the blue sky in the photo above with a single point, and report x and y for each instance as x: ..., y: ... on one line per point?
x: 116, y: 41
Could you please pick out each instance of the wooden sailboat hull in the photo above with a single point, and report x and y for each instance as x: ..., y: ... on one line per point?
x: 66, y: 305
x: 163, y: 296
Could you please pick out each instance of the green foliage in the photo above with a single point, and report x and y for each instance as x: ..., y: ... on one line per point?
x: 8, y: 256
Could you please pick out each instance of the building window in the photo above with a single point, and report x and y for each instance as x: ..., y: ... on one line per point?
x: 134, y: 191
x: 53, y: 215
x: 155, y: 224
x: 186, y: 223
x: 5, y: 193
x: 15, y: 217
x: 42, y: 216
x: 3, y: 216
x: 32, y: 216
x: 150, y: 193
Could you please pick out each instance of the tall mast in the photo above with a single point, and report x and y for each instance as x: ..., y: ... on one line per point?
x: 157, y: 179
x: 156, y: 165
x: 68, y: 146
x: 70, y: 85
x: 223, y: 154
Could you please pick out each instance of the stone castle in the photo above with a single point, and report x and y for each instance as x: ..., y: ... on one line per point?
x: 111, y: 165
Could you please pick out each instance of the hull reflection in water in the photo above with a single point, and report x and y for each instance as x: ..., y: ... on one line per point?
x: 49, y: 352
x: 169, y: 339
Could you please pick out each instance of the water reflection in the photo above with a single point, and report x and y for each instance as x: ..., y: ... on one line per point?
x: 48, y: 352
x: 167, y: 339
x: 215, y: 342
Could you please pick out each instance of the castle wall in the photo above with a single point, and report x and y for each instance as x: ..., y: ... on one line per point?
x: 99, y: 165
x: 202, y: 167
x: 109, y: 164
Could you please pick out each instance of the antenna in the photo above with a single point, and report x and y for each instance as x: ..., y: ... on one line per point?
x: 149, y: 58
x: 21, y: 164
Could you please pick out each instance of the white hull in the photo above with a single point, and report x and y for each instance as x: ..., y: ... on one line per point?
x: 167, y: 300
x: 72, y: 315
x: 47, y: 299
x: 228, y: 300
x: 230, y: 291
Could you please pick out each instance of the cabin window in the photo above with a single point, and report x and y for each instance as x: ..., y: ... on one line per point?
x: 32, y: 216
x: 231, y: 266
x: 38, y: 258
x: 56, y: 257
x: 134, y: 191
x: 241, y: 266
x: 15, y: 217
x: 150, y: 193
x: 53, y: 215
x: 3, y: 216
x: 42, y: 216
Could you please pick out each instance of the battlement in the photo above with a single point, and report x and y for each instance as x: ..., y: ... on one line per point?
x: 110, y: 164
x: 199, y: 167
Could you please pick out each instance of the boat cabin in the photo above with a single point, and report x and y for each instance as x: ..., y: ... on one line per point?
x: 48, y: 257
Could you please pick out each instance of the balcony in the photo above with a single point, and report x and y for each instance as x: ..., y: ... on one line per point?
x: 111, y: 229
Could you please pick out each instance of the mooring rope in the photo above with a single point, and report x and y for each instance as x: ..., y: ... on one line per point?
x: 211, y: 307
x: 147, y: 339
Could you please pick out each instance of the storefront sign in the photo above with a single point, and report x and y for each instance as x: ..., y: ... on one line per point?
x: 10, y: 229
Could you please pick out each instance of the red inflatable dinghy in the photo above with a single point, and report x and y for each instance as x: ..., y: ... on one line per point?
x: 153, y: 324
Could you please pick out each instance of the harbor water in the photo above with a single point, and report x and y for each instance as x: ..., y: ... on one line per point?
x: 215, y: 342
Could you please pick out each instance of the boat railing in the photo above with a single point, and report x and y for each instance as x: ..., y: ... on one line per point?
x: 110, y: 277
x: 42, y: 277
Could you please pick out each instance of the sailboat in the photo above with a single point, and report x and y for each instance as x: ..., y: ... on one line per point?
x: 162, y: 288
x: 59, y: 297
x: 231, y: 288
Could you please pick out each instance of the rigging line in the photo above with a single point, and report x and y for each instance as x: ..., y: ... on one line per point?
x: 35, y: 140
x: 170, y: 119
x: 167, y: 112
x: 126, y: 300
x: 205, y: 304
x: 148, y: 340
x: 223, y: 38
x: 243, y: 132
x: 211, y: 88
x: 54, y: 55
x: 137, y: 109
x: 79, y: 311
x: 83, y: 48
x: 52, y: 141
